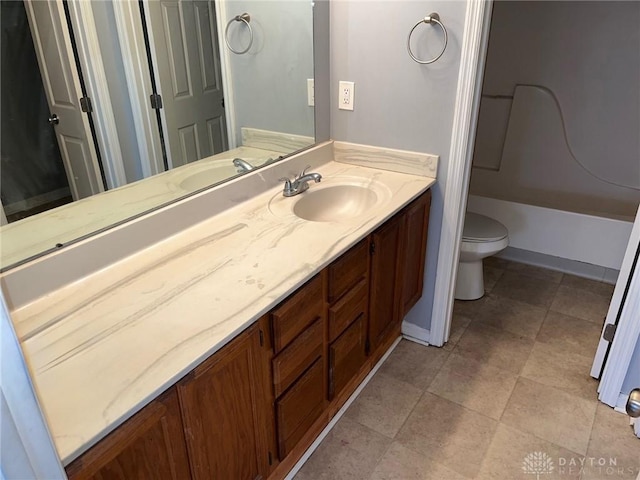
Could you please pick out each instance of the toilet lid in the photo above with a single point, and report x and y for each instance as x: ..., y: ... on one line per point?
x: 479, y: 228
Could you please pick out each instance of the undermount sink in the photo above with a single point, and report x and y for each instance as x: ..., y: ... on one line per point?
x: 335, y: 199
x: 334, y: 202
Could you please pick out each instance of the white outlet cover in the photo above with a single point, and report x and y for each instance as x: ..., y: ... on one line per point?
x: 346, y: 92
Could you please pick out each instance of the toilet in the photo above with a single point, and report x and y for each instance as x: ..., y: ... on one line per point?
x: 481, y: 237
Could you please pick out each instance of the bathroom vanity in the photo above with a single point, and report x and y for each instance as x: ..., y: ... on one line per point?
x: 250, y: 410
x: 221, y: 334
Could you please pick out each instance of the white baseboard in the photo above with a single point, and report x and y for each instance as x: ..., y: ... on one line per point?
x: 340, y: 413
x: 416, y: 334
x: 564, y: 265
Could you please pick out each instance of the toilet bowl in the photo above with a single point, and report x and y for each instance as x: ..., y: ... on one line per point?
x: 481, y: 237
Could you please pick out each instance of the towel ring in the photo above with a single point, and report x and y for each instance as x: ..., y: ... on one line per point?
x: 431, y: 18
x: 246, y: 18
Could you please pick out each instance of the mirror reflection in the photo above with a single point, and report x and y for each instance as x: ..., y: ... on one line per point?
x: 113, y: 108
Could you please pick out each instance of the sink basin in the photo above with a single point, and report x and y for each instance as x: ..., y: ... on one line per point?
x: 205, y: 176
x: 334, y: 203
x: 335, y: 199
x: 211, y: 172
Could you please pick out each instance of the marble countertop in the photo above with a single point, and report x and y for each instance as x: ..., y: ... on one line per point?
x: 101, y: 348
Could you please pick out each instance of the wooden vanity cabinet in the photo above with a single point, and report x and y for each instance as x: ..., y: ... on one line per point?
x: 227, y: 412
x: 251, y: 410
x: 386, y: 285
x: 414, y: 251
x: 348, y: 296
x: 148, y: 445
x: 299, y: 364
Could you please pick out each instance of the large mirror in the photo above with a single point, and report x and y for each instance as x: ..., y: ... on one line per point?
x: 113, y: 108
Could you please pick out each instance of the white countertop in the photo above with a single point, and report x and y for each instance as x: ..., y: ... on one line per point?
x: 40, y: 233
x: 101, y: 348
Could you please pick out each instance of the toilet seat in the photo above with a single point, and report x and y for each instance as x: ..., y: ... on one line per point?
x: 478, y: 228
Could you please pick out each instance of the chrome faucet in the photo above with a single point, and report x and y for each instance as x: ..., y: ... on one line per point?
x: 242, y: 166
x: 300, y: 183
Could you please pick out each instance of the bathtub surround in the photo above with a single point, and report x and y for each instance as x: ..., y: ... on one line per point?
x: 569, y: 235
x: 540, y: 164
x: 594, y: 78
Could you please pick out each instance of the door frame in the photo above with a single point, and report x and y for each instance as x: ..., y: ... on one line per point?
x: 138, y: 77
x: 227, y: 83
x: 58, y: 18
x: 465, y: 118
x: 626, y: 310
x: 90, y: 57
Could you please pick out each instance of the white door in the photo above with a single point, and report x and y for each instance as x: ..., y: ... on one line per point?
x: 62, y: 87
x: 186, y: 59
x: 613, y: 358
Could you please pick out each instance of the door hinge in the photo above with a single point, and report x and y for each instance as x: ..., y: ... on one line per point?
x: 270, y: 459
x: 222, y: 102
x: 261, y: 339
x: 85, y: 105
x: 372, y: 248
x: 367, y: 346
x: 609, y: 332
x: 156, y: 101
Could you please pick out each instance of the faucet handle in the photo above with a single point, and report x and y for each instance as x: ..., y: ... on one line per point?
x: 304, y: 171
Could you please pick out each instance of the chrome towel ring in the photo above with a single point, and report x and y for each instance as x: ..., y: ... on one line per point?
x: 431, y: 18
x: 245, y: 18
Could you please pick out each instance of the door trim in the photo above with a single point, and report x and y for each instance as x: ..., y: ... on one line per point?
x: 473, y: 54
x: 227, y: 83
x: 90, y: 55
x: 627, y: 332
x: 136, y: 68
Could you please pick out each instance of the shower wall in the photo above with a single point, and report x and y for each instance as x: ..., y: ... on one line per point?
x: 560, y: 113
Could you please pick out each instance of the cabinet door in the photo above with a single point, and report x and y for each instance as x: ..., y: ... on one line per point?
x: 225, y: 412
x: 385, y: 287
x: 149, y: 445
x: 346, y: 356
x: 416, y: 218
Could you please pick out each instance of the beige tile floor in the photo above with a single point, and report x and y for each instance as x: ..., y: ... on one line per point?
x: 513, y: 381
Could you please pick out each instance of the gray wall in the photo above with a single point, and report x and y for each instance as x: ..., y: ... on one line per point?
x: 398, y: 103
x: 270, y: 80
x: 586, y: 53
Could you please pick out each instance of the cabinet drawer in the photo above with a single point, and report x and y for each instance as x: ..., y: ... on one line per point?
x: 293, y: 316
x: 345, y: 272
x: 296, y: 357
x: 347, y: 309
x: 299, y: 408
x: 346, y: 356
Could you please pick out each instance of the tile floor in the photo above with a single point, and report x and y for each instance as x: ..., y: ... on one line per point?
x: 512, y: 381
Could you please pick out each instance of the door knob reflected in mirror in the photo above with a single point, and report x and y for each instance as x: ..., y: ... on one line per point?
x: 54, y: 120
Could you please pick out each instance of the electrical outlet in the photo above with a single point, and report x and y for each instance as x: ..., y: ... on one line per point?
x: 311, y: 97
x: 345, y: 95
